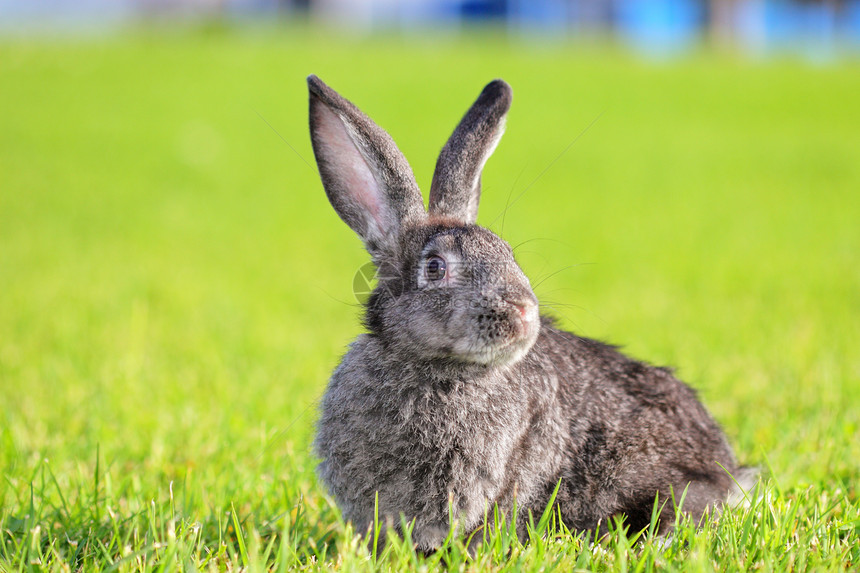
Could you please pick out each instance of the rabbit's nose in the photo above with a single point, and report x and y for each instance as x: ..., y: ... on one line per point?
x: 526, y: 307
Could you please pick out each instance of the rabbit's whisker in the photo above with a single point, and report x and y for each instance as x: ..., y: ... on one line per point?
x: 553, y: 162
x: 284, y: 140
x: 549, y: 276
x: 553, y: 305
x: 527, y: 241
x: 568, y: 267
x: 341, y: 301
x: 508, y: 201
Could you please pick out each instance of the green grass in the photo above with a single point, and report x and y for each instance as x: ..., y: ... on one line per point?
x: 175, y: 289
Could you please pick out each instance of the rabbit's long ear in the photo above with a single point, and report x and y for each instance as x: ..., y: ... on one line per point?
x: 456, y: 187
x: 366, y: 178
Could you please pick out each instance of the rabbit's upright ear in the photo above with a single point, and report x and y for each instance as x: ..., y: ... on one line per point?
x: 456, y: 187
x: 366, y: 178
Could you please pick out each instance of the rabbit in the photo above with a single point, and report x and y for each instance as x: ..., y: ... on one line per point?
x: 461, y: 397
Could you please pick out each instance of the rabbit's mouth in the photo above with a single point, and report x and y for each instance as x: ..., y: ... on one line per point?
x: 504, y: 336
x: 500, y: 353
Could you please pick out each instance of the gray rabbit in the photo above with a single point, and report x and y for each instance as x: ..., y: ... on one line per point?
x: 461, y: 396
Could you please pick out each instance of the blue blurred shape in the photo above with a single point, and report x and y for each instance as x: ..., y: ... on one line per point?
x: 544, y: 16
x: 660, y: 27
x: 782, y: 26
x: 481, y: 10
x: 849, y: 28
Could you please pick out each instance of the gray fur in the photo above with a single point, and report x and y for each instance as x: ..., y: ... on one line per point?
x: 368, y: 181
x: 456, y: 187
x: 460, y: 396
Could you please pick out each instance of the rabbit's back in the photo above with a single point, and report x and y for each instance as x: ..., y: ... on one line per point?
x: 633, y: 430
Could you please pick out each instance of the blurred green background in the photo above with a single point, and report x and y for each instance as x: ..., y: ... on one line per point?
x: 175, y: 288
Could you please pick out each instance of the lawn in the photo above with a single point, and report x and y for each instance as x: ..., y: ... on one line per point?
x: 175, y: 288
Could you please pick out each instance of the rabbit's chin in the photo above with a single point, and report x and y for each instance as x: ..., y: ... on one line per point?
x: 499, y: 356
x: 498, y: 353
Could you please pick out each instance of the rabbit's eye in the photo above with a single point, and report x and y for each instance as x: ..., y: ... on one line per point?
x: 434, y: 269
